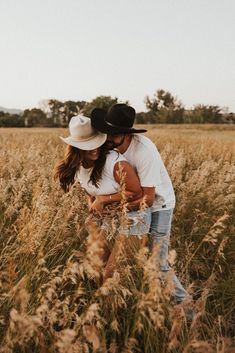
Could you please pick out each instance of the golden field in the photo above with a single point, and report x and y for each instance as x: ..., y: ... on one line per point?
x: 49, y: 299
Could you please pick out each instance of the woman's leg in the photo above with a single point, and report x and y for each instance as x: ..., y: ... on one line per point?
x: 124, y: 251
x: 97, y: 236
x: 132, y: 238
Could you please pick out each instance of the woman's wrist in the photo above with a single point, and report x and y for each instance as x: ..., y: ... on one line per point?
x: 100, y: 199
x: 105, y: 199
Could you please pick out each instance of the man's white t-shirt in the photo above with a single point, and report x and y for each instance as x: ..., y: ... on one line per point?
x: 107, y: 183
x: 143, y: 155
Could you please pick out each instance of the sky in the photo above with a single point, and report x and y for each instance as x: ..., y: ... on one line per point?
x: 80, y: 49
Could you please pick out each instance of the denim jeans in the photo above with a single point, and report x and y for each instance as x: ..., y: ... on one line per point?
x: 160, y: 234
x: 139, y: 223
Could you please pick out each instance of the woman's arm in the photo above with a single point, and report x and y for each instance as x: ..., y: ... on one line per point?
x: 102, y: 200
x: 134, y: 203
x: 90, y: 200
x: 117, y: 197
x: 125, y: 175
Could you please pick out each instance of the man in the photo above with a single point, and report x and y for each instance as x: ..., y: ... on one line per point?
x: 143, y: 155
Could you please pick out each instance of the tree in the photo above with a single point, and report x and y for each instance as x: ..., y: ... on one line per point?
x: 166, y: 99
x: 229, y: 118
x: 202, y: 113
x: 103, y: 102
x: 72, y: 108
x: 34, y: 117
x: 54, y: 111
x: 214, y: 115
x: 164, y: 107
x: 11, y: 120
x: 140, y: 118
x: 152, y: 104
x: 62, y: 112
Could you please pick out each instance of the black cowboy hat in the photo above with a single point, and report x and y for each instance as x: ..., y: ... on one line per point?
x: 119, y: 119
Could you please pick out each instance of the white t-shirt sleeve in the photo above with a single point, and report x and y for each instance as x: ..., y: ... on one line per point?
x: 148, y: 168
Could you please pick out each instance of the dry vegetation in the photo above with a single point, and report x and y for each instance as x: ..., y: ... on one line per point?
x: 49, y: 299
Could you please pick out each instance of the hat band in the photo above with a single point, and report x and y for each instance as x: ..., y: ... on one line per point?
x: 117, y: 126
x: 82, y: 139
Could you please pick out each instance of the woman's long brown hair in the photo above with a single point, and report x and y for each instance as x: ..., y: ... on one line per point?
x: 66, y: 169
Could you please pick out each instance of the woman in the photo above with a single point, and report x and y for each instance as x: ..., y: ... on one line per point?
x: 102, y: 173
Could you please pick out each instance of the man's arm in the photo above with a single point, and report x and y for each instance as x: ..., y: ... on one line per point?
x: 147, y: 199
x: 117, y: 197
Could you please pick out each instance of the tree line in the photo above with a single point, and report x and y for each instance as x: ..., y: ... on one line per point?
x: 161, y: 108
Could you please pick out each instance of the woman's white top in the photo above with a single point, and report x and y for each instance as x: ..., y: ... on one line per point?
x: 107, y: 183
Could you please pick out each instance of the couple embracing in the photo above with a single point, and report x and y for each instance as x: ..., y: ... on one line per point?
x: 104, y: 152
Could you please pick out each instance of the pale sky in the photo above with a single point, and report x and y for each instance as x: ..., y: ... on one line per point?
x: 79, y: 49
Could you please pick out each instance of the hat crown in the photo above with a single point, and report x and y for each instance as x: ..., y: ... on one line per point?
x: 119, y: 119
x: 80, y: 127
x: 121, y: 115
x: 83, y: 135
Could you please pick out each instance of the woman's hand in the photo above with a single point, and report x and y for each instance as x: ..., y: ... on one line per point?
x: 97, y: 206
x: 90, y: 200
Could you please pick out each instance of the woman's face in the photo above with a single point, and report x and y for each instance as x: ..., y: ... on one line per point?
x: 92, y: 155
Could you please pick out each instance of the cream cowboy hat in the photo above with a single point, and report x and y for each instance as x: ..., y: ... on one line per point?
x: 83, y: 135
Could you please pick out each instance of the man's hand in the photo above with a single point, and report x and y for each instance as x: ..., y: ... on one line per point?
x: 148, y: 197
x: 129, y: 195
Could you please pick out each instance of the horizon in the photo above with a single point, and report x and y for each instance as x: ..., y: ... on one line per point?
x: 224, y: 109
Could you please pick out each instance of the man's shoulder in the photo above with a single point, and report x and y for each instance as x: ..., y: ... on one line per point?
x: 142, y: 151
x: 144, y: 143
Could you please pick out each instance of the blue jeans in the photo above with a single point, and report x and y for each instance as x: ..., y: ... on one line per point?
x: 139, y: 223
x: 160, y: 234
x: 135, y: 223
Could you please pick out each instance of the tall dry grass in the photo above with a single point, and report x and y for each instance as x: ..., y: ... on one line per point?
x: 49, y: 297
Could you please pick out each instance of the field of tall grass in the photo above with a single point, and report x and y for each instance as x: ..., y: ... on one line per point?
x: 50, y: 301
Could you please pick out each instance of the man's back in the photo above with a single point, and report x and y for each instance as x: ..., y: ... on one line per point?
x: 143, y: 155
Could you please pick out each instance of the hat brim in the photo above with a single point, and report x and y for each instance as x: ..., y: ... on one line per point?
x: 92, y: 144
x: 99, y: 123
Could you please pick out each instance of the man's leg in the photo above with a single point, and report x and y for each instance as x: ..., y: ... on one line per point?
x: 160, y: 235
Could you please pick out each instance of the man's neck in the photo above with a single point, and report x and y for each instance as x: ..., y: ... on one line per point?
x: 124, y: 146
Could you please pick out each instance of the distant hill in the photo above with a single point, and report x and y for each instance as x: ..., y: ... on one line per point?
x: 11, y: 111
